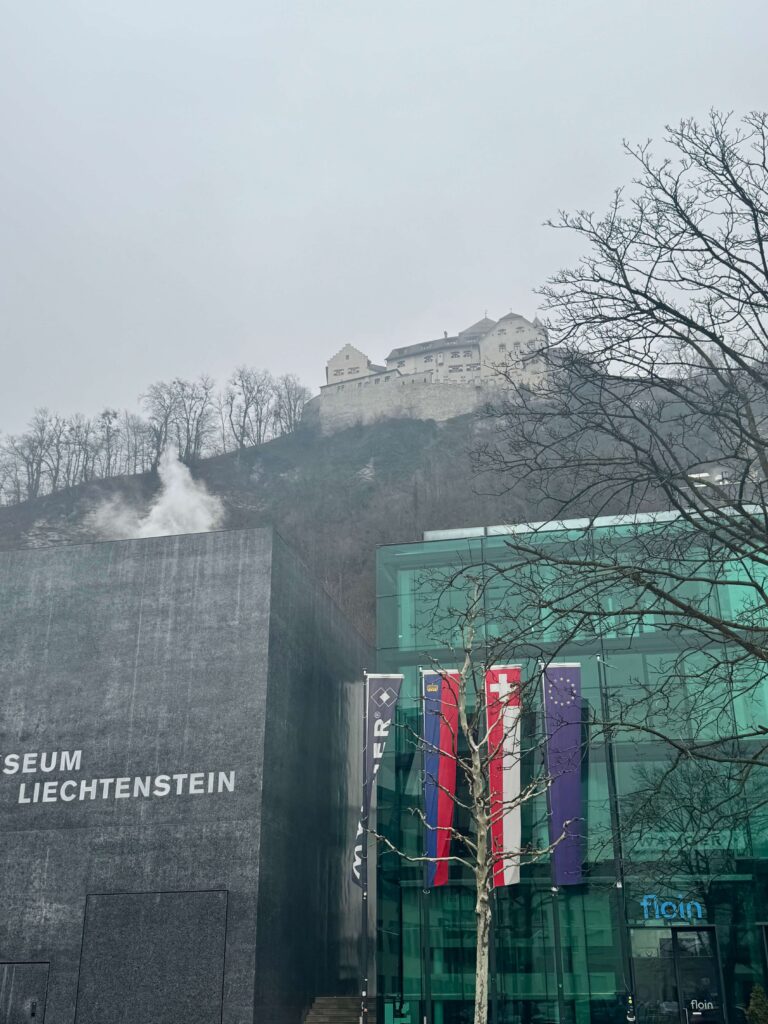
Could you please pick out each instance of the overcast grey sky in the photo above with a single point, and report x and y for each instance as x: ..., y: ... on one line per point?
x: 186, y: 185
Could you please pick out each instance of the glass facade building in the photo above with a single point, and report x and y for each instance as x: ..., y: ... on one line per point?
x: 673, y: 907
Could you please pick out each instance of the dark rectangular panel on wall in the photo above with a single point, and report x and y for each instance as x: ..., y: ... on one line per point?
x: 153, y: 957
x: 22, y: 993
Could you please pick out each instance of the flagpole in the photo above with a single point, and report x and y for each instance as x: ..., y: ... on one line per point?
x: 377, y: 723
x: 553, y: 887
x: 559, y: 980
x: 426, y: 948
x: 618, y: 852
x: 426, y: 954
x: 364, y: 866
x: 625, y: 949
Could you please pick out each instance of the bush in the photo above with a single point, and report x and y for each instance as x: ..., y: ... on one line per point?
x: 757, y: 1011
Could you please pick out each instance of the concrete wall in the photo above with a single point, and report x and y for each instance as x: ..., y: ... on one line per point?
x: 171, y: 656
x: 306, y: 904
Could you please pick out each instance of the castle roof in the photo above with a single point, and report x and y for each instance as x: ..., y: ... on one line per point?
x: 481, y: 327
x: 478, y: 329
x: 424, y: 346
x: 350, y: 348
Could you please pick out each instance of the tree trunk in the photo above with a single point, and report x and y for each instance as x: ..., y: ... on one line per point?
x: 483, y: 919
x: 480, y: 815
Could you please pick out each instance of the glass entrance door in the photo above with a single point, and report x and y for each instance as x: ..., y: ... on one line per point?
x: 655, y: 976
x: 677, y: 976
x: 698, y: 975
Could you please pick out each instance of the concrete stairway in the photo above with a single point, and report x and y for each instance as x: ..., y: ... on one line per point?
x: 338, y: 1010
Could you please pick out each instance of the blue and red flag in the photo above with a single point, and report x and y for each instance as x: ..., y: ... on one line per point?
x: 562, y: 715
x: 441, y: 722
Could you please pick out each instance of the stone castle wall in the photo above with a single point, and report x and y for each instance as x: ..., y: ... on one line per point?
x: 400, y: 398
x: 432, y: 380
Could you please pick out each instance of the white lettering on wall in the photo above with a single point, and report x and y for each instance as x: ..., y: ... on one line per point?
x: 125, y: 787
x: 45, y: 761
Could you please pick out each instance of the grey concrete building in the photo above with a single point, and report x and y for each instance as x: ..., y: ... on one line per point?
x: 175, y: 796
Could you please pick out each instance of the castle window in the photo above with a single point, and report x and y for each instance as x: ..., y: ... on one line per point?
x: 338, y: 373
x: 346, y: 356
x: 401, y: 362
x: 467, y: 355
x: 455, y: 369
x: 502, y: 347
x: 387, y: 377
x: 501, y: 330
x: 377, y: 381
x: 455, y: 355
x: 428, y: 359
x: 353, y: 369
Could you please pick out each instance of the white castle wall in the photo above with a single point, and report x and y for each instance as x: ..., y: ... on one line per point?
x: 433, y: 380
x: 401, y: 398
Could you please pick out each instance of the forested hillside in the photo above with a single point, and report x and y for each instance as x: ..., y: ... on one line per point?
x: 335, y: 499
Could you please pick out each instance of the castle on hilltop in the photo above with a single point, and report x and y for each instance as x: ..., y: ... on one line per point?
x: 406, y: 386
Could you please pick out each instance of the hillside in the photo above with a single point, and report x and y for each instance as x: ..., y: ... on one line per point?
x: 334, y: 498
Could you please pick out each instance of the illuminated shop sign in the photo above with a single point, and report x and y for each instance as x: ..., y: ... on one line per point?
x: 670, y: 910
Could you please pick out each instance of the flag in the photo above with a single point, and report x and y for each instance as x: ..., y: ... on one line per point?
x: 502, y: 704
x: 441, y: 722
x: 381, y: 696
x: 562, y: 714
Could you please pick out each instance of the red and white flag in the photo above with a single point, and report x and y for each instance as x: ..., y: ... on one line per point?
x: 502, y: 702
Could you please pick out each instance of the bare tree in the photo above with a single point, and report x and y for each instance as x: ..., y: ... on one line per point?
x: 484, y: 739
x: 655, y: 398
x: 193, y: 420
x: 160, y: 405
x: 29, y: 450
x: 11, y: 483
x: 248, y: 401
x: 290, y: 398
x: 136, y: 455
x: 224, y: 441
x: 56, y: 453
x: 80, y: 451
x: 109, y: 442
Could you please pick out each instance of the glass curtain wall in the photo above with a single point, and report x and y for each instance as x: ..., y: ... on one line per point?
x: 673, y: 913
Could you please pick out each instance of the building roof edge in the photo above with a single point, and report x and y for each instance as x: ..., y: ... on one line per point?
x: 554, y: 525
